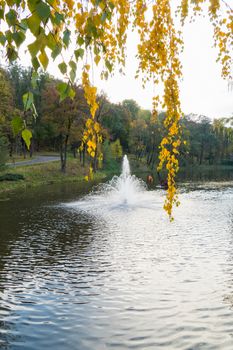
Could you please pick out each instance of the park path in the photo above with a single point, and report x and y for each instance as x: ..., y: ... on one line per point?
x: 37, y: 160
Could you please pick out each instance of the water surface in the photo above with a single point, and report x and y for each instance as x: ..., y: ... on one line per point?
x: 86, y: 273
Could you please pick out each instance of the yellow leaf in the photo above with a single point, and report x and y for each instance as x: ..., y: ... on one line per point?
x: 44, y: 59
x: 97, y: 59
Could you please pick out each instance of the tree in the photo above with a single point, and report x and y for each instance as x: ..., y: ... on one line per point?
x: 3, y: 150
x: 223, y: 131
x: 116, y: 120
x: 20, y: 79
x: 116, y: 149
x: 99, y: 31
x: 8, y: 110
x: 65, y: 118
x: 132, y: 107
x: 6, y: 101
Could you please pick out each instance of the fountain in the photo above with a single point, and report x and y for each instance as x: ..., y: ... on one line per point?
x: 125, y: 188
x: 123, y: 192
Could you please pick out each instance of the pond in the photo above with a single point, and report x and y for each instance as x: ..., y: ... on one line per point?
x: 85, y: 273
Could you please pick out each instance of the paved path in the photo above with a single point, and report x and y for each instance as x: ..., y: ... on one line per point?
x: 37, y: 160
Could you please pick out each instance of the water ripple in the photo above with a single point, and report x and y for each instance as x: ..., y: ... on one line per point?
x: 88, y: 275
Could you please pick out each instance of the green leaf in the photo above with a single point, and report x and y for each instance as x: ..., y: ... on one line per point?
x: 28, y: 100
x: 34, y: 48
x: 58, y: 18
x: 63, y: 67
x: 79, y: 53
x: 34, y: 79
x: 35, y: 63
x: 72, y: 75
x: 66, y: 37
x: 91, y: 28
x: 9, y: 36
x: 109, y: 15
x: 51, y: 43
x: 44, y: 59
x: 33, y: 23
x: 71, y: 93
x: 56, y: 52
x: 111, y: 5
x: 73, y: 65
x: 11, y: 17
x: 65, y: 91
x: 62, y: 89
x: 1, y: 13
x: 12, y: 54
x: 27, y: 135
x: 23, y: 24
x: 104, y: 16
x: 43, y: 11
x: 18, y: 38
x: 17, y: 125
x: 108, y: 65
x: 32, y: 5
x: 80, y: 41
x: 2, y: 39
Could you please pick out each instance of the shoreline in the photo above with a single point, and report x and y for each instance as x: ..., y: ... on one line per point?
x: 49, y: 173
x: 37, y: 175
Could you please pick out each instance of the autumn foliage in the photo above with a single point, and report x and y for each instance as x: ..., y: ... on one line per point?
x: 80, y: 34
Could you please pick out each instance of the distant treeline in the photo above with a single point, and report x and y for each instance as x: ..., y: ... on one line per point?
x: 125, y: 126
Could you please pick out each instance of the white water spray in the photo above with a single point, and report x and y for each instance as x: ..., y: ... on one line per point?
x: 125, y: 167
x: 126, y: 187
x: 125, y: 192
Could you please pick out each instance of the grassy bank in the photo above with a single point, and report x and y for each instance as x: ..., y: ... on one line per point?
x: 45, y: 174
x: 49, y: 173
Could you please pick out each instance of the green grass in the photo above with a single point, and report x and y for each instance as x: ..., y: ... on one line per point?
x: 45, y: 174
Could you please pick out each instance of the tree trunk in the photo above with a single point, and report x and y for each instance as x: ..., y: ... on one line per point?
x: 24, y: 149
x: 63, y: 167
x: 201, y: 154
x: 31, y: 148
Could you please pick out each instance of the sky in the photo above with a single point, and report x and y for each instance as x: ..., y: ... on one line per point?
x: 202, y: 90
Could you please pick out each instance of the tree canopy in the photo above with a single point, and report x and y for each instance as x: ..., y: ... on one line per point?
x: 95, y: 32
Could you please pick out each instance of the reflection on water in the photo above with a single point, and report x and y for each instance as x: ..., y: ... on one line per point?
x: 204, y: 174
x: 79, y: 273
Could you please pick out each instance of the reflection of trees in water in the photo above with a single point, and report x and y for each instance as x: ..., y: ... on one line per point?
x: 228, y: 299
x: 211, y: 173
x: 37, y: 248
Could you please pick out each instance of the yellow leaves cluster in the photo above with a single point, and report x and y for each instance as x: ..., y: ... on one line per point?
x: 158, y: 55
x: 89, y: 91
x: 80, y: 21
x: 90, y: 176
x: 123, y: 9
x: 223, y: 32
x: 170, y: 144
x: 92, y: 133
x: 70, y: 4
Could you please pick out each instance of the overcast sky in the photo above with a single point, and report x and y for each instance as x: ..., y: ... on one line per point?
x: 203, y: 91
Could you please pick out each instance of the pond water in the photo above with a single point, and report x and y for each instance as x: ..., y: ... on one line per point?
x: 89, y: 273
